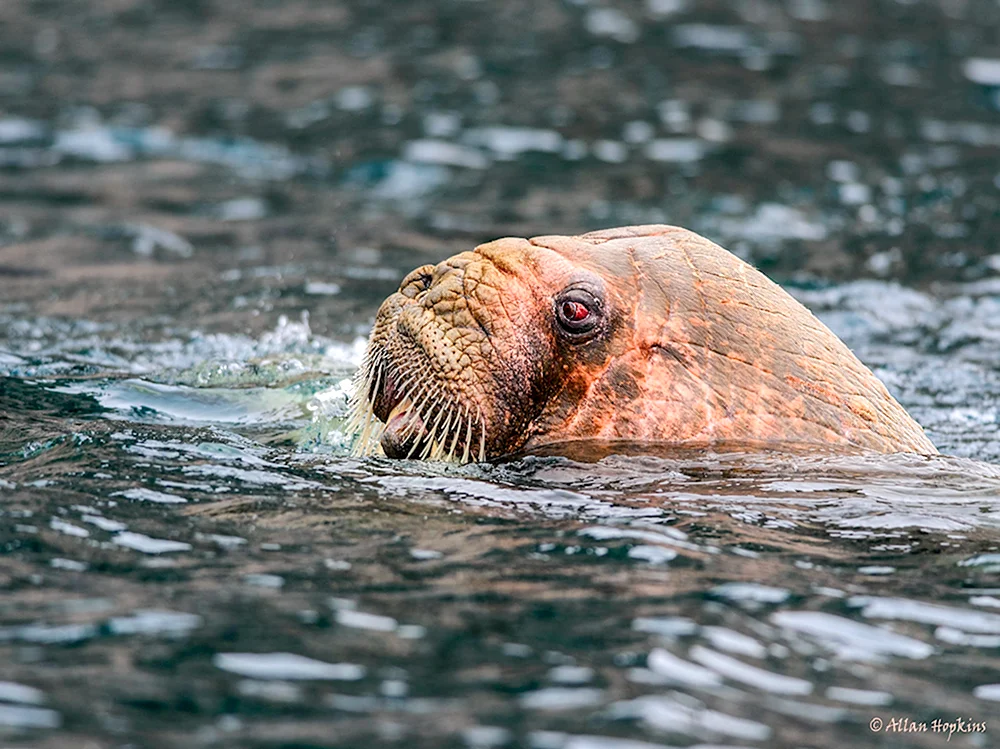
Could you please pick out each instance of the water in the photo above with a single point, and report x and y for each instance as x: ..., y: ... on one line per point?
x: 201, y: 207
x: 192, y: 558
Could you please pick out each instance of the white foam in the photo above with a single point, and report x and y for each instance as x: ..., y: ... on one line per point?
x: 664, y: 713
x: 20, y: 716
x: 321, y: 288
x: 430, y: 151
x: 148, y: 545
x: 710, y: 37
x: 652, y: 554
x: 611, y: 22
x: 11, y: 691
x: 92, y: 144
x: 850, y: 639
x: 664, y: 8
x: 773, y: 221
x: 571, y: 674
x: 286, y: 666
x: 364, y: 620
x: 965, y: 620
x: 868, y: 697
x: 155, y: 622
x: 732, y: 641
x: 148, y: 239
x: 676, y: 150
x: 148, y: 495
x: 242, y: 209
x: 753, y: 592
x: 68, y: 528
x: 668, y: 626
x: 750, y: 675
x: 987, y: 692
x: 354, y: 98
x: 16, y: 130
x: 561, y: 698
x: 105, y: 524
x: 611, y: 151
x: 677, y: 670
x: 510, y: 142
x: 982, y: 70
x: 424, y: 555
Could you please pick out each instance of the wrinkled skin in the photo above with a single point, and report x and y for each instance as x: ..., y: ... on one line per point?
x: 680, y: 342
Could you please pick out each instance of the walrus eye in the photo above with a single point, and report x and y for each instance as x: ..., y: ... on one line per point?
x: 578, y: 311
x: 574, y: 312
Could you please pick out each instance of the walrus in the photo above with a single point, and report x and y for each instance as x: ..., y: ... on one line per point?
x: 640, y: 334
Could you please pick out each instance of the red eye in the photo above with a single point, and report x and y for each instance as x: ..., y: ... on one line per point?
x: 578, y: 313
x: 574, y: 311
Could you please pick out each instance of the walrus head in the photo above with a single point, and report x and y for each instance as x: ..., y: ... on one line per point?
x: 648, y: 333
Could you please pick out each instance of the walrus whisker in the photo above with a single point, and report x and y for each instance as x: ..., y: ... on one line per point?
x: 436, y: 452
x: 361, y: 413
x: 428, y: 444
x: 434, y: 405
x: 454, y: 440
x: 362, y: 422
x: 413, y: 449
x: 431, y: 440
x: 408, y: 380
x: 371, y: 429
x: 437, y: 422
x: 370, y: 387
x: 361, y: 378
x: 482, y: 434
x: 468, y: 441
x: 369, y: 434
x: 424, y: 402
x: 358, y: 406
x: 456, y: 430
x: 360, y: 403
x: 441, y: 453
x: 422, y: 406
x: 421, y: 401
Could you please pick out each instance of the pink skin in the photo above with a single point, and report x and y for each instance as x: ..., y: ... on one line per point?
x: 682, y: 343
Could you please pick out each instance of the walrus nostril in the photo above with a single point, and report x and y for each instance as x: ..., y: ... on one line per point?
x: 417, y: 281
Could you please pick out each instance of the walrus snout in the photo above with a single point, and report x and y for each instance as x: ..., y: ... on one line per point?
x: 426, y: 375
x: 405, y: 432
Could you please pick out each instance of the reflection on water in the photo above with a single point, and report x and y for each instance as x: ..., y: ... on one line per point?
x: 191, y: 552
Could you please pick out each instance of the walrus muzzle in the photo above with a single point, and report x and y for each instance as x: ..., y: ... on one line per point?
x: 449, y: 371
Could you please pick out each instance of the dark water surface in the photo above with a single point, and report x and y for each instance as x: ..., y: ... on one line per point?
x: 191, y: 558
x: 202, y: 204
